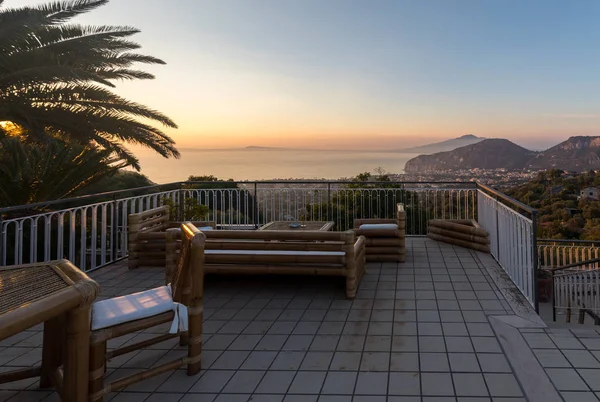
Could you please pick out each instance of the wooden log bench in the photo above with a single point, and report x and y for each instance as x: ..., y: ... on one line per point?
x: 385, y: 239
x: 459, y: 232
x: 147, y: 234
x: 279, y: 253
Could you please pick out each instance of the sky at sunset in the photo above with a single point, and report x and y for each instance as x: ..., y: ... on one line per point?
x: 366, y: 74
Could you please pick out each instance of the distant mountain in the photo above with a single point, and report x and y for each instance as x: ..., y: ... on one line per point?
x: 443, y: 146
x: 575, y: 154
x: 485, y: 154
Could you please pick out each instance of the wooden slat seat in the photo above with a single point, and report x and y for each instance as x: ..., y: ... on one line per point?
x: 281, y: 252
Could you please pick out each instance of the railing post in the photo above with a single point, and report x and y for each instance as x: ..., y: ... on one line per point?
x: 497, y: 229
x: 536, y: 288
x: 1, y: 240
x: 255, y: 217
x: 114, y: 229
x: 329, y: 206
x: 181, y: 203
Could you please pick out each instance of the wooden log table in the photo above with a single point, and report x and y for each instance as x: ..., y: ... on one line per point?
x: 308, y: 225
x: 58, y: 294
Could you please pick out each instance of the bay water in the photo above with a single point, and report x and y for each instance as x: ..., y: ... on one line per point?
x: 268, y: 164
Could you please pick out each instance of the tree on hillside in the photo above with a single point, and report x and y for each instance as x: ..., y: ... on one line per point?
x: 121, y: 180
x: 29, y: 173
x: 56, y: 79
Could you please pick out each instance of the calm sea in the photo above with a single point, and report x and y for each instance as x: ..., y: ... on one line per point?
x: 261, y: 164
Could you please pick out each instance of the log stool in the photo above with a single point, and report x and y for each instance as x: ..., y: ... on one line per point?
x: 460, y: 232
x: 385, y: 238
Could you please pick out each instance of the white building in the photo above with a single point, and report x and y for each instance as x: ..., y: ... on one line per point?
x: 589, y: 192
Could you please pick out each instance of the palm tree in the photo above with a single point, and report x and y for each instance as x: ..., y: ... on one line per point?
x: 55, y: 80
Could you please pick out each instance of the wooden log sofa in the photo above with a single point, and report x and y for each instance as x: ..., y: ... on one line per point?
x: 385, y: 238
x: 147, y: 234
x: 279, y: 252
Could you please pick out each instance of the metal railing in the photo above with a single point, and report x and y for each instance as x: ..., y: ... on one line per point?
x: 558, y: 253
x: 576, y: 290
x: 92, y: 230
x: 511, y: 227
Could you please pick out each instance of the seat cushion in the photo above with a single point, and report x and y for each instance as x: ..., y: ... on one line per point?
x: 378, y: 226
x: 106, y: 313
x: 273, y: 252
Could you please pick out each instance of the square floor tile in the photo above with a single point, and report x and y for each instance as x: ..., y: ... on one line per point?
x: 404, y: 384
x: 244, y: 382
x: 287, y: 360
x: 579, y: 397
x: 432, y: 344
x: 458, y: 344
x: 493, y: 363
x: 437, y: 384
x: 566, y: 379
x: 339, y: 383
x: 375, y: 361
x: 307, y: 382
x: 591, y: 377
x: 434, y: 362
x: 275, y: 382
x: 502, y: 385
x: 371, y: 383
x: 464, y: 362
x: 581, y: 359
x: 346, y: 361
x: 405, y: 344
x: 381, y: 343
x: 404, y: 362
x: 486, y: 345
x: 469, y: 384
x: 212, y: 381
x: 551, y: 358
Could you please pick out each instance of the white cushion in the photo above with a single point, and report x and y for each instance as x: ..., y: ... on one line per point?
x: 205, y: 228
x: 374, y: 226
x: 273, y: 252
x: 106, y: 313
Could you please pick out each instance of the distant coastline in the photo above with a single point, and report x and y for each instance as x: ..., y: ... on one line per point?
x: 281, y: 149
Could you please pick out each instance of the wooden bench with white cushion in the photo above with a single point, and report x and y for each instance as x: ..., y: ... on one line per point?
x: 281, y: 252
x: 385, y: 238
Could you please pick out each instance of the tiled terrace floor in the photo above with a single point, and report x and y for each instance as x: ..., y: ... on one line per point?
x: 437, y: 328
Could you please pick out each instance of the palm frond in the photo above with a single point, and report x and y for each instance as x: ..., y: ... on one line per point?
x: 16, y: 23
x: 55, y: 78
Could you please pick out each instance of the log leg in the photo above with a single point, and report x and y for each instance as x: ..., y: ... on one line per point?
x: 97, y: 370
x: 581, y: 319
x: 184, y: 338
x: 76, y: 367
x: 195, y: 318
x: 53, y: 347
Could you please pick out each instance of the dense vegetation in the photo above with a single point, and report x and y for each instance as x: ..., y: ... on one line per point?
x: 562, y: 214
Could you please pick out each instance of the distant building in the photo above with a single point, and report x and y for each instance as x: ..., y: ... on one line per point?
x: 589, y: 192
x: 572, y: 211
x: 556, y: 190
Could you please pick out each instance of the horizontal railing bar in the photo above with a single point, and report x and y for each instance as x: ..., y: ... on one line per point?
x: 80, y: 198
x: 565, y: 241
x: 175, y: 184
x: 577, y: 264
x: 506, y: 198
